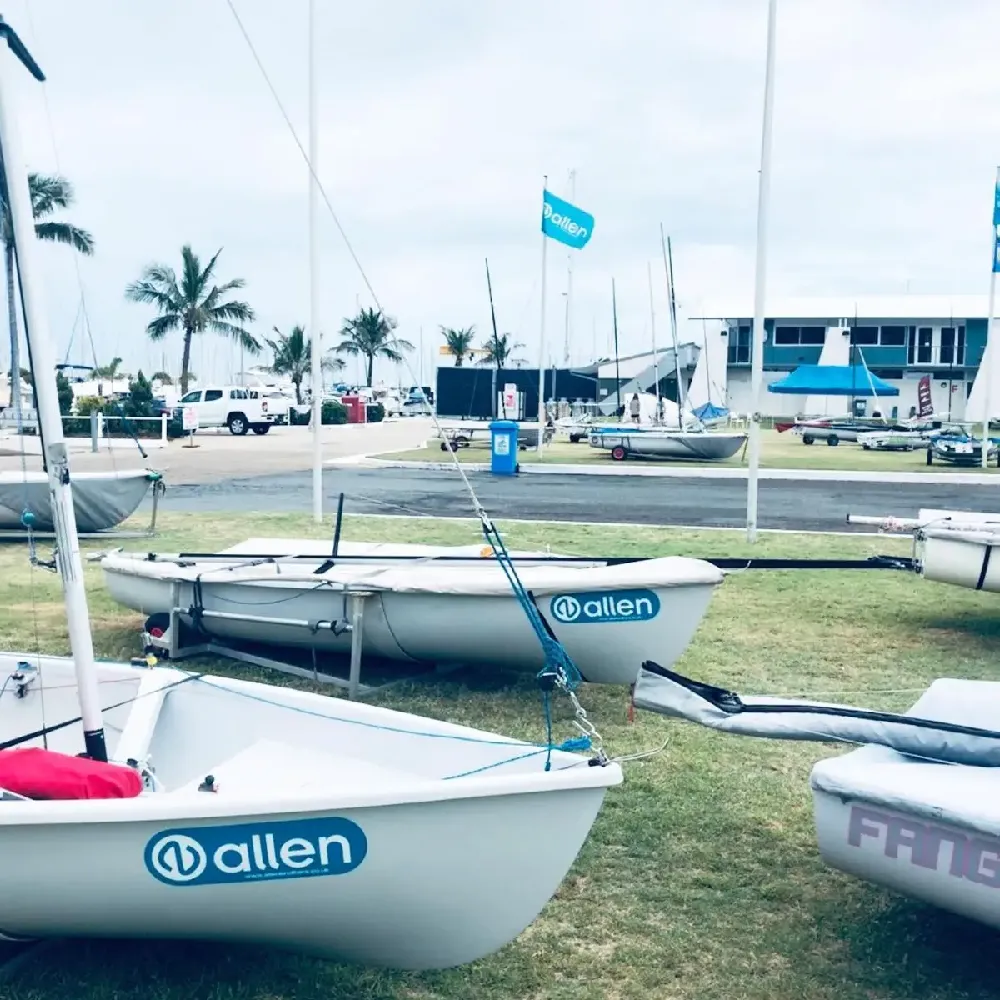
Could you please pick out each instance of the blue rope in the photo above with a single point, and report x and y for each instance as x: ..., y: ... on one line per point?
x: 557, y: 660
x: 575, y: 742
x: 570, y: 745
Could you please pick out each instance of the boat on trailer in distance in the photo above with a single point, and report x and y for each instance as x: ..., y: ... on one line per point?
x: 659, y: 442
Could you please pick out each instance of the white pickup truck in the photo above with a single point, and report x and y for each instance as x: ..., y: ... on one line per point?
x: 240, y: 408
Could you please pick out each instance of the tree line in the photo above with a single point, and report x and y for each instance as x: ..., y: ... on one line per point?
x: 195, y: 301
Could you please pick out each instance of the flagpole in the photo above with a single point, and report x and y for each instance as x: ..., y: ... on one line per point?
x: 569, y: 279
x: 316, y: 361
x: 986, y: 365
x: 541, y: 338
x: 760, y: 278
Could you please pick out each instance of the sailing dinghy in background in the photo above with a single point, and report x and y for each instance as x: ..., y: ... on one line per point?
x: 102, y: 500
x: 433, y: 608
x: 265, y: 815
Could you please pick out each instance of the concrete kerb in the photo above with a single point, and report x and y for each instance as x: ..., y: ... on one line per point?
x: 689, y: 472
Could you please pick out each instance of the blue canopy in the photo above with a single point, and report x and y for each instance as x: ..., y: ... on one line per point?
x: 833, y: 380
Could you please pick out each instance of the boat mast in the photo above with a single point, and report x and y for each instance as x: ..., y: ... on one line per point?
x: 760, y: 279
x: 618, y: 375
x: 50, y: 420
x: 668, y: 268
x: 652, y: 326
x: 541, y: 338
x: 316, y: 360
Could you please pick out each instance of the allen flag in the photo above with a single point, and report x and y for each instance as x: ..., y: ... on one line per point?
x: 568, y: 224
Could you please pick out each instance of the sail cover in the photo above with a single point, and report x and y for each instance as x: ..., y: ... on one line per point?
x: 946, y: 740
x: 101, y: 500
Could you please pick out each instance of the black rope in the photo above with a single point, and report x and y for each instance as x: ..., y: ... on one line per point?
x: 721, y: 562
x: 55, y: 727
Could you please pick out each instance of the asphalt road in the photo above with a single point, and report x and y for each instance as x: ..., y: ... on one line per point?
x: 795, y: 504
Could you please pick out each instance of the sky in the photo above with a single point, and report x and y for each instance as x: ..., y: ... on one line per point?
x: 437, y: 122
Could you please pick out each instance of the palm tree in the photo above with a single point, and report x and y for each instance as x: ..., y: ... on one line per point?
x: 459, y: 342
x: 499, y: 349
x: 109, y: 370
x: 48, y: 193
x: 165, y: 378
x: 293, y: 357
x: 369, y: 334
x: 194, y: 305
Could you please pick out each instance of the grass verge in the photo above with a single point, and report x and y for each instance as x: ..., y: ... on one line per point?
x: 778, y: 451
x: 701, y: 878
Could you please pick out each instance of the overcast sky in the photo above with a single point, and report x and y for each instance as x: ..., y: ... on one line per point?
x: 438, y: 120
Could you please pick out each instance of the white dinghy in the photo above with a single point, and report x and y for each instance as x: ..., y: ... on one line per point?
x: 329, y: 826
x: 914, y: 809
x: 228, y: 810
x: 609, y: 618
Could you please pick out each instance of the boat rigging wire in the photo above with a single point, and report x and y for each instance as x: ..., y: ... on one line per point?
x: 559, y: 670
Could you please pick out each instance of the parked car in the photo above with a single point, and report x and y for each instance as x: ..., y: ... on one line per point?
x: 277, y: 402
x: 233, y: 406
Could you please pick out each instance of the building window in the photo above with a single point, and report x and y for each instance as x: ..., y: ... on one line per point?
x: 892, y: 336
x: 911, y: 341
x: 739, y: 345
x: 864, y: 336
x: 924, y: 348
x: 947, y: 345
x: 807, y: 336
x: 952, y: 345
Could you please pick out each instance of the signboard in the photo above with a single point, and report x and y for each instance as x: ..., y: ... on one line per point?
x: 189, y: 418
x: 924, y: 405
x: 510, y: 396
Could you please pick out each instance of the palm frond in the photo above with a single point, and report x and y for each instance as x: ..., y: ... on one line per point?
x: 66, y: 232
x: 244, y: 338
x: 48, y: 192
x: 158, y: 328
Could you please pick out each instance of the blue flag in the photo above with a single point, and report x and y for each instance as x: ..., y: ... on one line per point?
x: 996, y: 225
x: 566, y: 223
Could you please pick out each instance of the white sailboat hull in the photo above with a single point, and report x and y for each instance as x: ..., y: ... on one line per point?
x: 101, y: 500
x: 964, y: 558
x: 337, y: 828
x: 922, y: 828
x: 608, y: 618
x: 709, y: 446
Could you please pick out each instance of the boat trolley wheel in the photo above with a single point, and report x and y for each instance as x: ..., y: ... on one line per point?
x: 619, y: 453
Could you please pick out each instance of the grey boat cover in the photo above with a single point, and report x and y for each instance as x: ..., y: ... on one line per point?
x: 942, y: 738
x: 102, y: 500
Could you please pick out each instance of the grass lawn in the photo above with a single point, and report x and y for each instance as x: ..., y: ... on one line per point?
x: 701, y: 879
x: 778, y: 451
